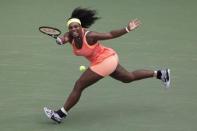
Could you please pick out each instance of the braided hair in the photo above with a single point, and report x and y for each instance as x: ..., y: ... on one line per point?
x: 86, y: 16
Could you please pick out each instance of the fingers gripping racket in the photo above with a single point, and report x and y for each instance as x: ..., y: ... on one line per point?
x: 50, y: 31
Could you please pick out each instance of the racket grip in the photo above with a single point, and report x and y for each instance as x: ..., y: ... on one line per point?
x: 54, y: 36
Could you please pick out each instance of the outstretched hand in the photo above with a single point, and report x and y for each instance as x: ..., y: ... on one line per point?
x: 133, y: 24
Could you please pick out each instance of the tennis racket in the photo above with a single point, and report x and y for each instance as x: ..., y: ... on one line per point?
x: 50, y: 31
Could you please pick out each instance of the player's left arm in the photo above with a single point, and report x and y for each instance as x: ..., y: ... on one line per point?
x: 115, y: 33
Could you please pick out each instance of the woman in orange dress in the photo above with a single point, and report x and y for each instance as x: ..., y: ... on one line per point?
x: 103, y: 60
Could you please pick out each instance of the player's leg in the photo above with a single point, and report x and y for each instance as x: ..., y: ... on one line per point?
x: 87, y: 78
x: 125, y: 76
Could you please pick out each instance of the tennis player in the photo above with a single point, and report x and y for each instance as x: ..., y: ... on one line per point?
x: 103, y: 60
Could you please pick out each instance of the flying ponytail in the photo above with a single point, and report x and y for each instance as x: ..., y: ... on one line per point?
x: 86, y: 16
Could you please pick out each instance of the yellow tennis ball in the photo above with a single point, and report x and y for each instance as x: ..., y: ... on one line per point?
x: 82, y: 68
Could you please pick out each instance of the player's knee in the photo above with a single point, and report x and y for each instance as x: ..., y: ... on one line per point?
x: 127, y: 80
x: 79, y: 85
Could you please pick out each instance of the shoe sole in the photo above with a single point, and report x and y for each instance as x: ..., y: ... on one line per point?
x: 168, y: 83
x: 45, y: 111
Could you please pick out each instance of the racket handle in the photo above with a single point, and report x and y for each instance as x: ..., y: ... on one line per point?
x: 54, y: 36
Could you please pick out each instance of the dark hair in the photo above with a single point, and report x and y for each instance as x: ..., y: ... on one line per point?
x: 86, y: 16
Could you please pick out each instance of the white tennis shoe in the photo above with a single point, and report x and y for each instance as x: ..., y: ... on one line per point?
x: 165, y: 77
x: 52, y: 115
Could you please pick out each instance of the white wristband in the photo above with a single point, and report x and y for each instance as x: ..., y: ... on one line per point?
x: 127, y: 29
x: 59, y: 41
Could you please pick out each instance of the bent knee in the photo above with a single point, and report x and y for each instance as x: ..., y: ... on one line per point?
x: 79, y: 85
x: 126, y: 80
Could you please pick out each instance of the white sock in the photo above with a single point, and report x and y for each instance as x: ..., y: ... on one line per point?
x: 155, y: 74
x: 64, y: 111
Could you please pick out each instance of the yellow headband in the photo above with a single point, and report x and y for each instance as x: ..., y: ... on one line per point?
x: 73, y: 20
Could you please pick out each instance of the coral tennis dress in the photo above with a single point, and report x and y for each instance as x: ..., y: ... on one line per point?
x: 97, y: 54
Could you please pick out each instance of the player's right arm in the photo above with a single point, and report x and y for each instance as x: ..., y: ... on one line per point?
x: 63, y: 39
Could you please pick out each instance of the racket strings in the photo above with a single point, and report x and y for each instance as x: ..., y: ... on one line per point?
x: 51, y: 31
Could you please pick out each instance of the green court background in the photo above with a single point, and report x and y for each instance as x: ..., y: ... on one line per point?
x: 35, y: 72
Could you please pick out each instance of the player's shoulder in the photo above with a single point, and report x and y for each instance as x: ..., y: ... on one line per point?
x: 87, y: 32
